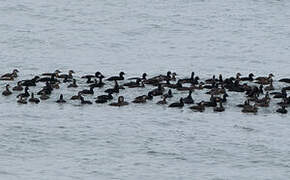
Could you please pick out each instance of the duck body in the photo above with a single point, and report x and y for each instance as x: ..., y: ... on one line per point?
x: 61, y: 100
x: 117, y: 78
x: 199, y: 107
x: 34, y: 99
x: 179, y: 104
x: 282, y: 110
x: 18, y: 87
x: 120, y: 102
x: 7, y: 92
x: 188, y: 99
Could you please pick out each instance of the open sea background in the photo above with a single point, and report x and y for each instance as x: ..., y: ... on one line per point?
x: 50, y: 141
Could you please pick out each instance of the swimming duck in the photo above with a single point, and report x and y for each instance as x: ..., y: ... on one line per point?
x: 179, y: 104
x: 284, y: 102
x: 283, y: 94
x: 25, y: 94
x: 199, y: 107
x: 117, y: 78
x: 220, y: 108
x: 282, y: 110
x: 73, y: 85
x: 34, y: 99
x: 286, y: 80
x: 264, y: 80
x: 188, y: 99
x: 85, y: 101
x: 67, y: 76
x: 144, y: 75
x: 120, y: 102
x: 140, y: 99
x: 246, y: 103
x: 104, y: 98
x: 163, y: 101
x: 86, y: 91
x: 18, y: 87
x: 56, y: 73
x: 270, y: 87
x: 163, y: 77
x: 76, y: 97
x: 61, y: 100
x: 11, y: 75
x: 250, y: 109
x: 188, y: 80
x: 51, y: 79
x: 223, y: 99
x: 249, y: 78
x: 211, y: 103
x: 31, y: 82
x: 7, y: 92
x: 22, y: 100
x: 168, y: 94
x: 212, y: 80
x: 158, y: 91
x: 44, y: 96
x: 133, y: 84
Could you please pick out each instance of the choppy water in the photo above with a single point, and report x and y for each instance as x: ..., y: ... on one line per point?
x: 48, y: 141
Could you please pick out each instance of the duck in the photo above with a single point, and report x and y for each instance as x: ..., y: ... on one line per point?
x: 163, y: 77
x: 158, y: 91
x: 188, y: 99
x: 25, y: 94
x: 188, y: 80
x: 88, y: 91
x: 168, y: 94
x: 282, y: 110
x: 179, y: 104
x: 104, y: 98
x: 199, y: 107
x: 11, y: 75
x: 73, y: 84
x: 264, y: 80
x: 270, y: 87
x: 278, y: 95
x: 44, y: 96
x: 133, y: 84
x: 163, y: 101
x: 246, y: 103
x: 76, y: 97
x: 117, y: 78
x: 284, y: 102
x: 31, y: 82
x: 61, y: 99
x: 211, y: 103
x: 51, y: 79
x: 18, y: 87
x: 223, y: 99
x: 22, y: 100
x: 140, y: 99
x: 220, y: 108
x: 285, y: 80
x: 212, y: 80
x: 121, y: 102
x: 249, y: 78
x: 144, y: 77
x: 7, y: 92
x: 56, y: 73
x: 85, y: 101
x: 67, y: 76
x: 67, y: 80
x: 34, y: 99
x: 250, y: 109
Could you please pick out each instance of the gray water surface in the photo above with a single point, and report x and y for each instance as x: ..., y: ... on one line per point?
x: 50, y: 141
